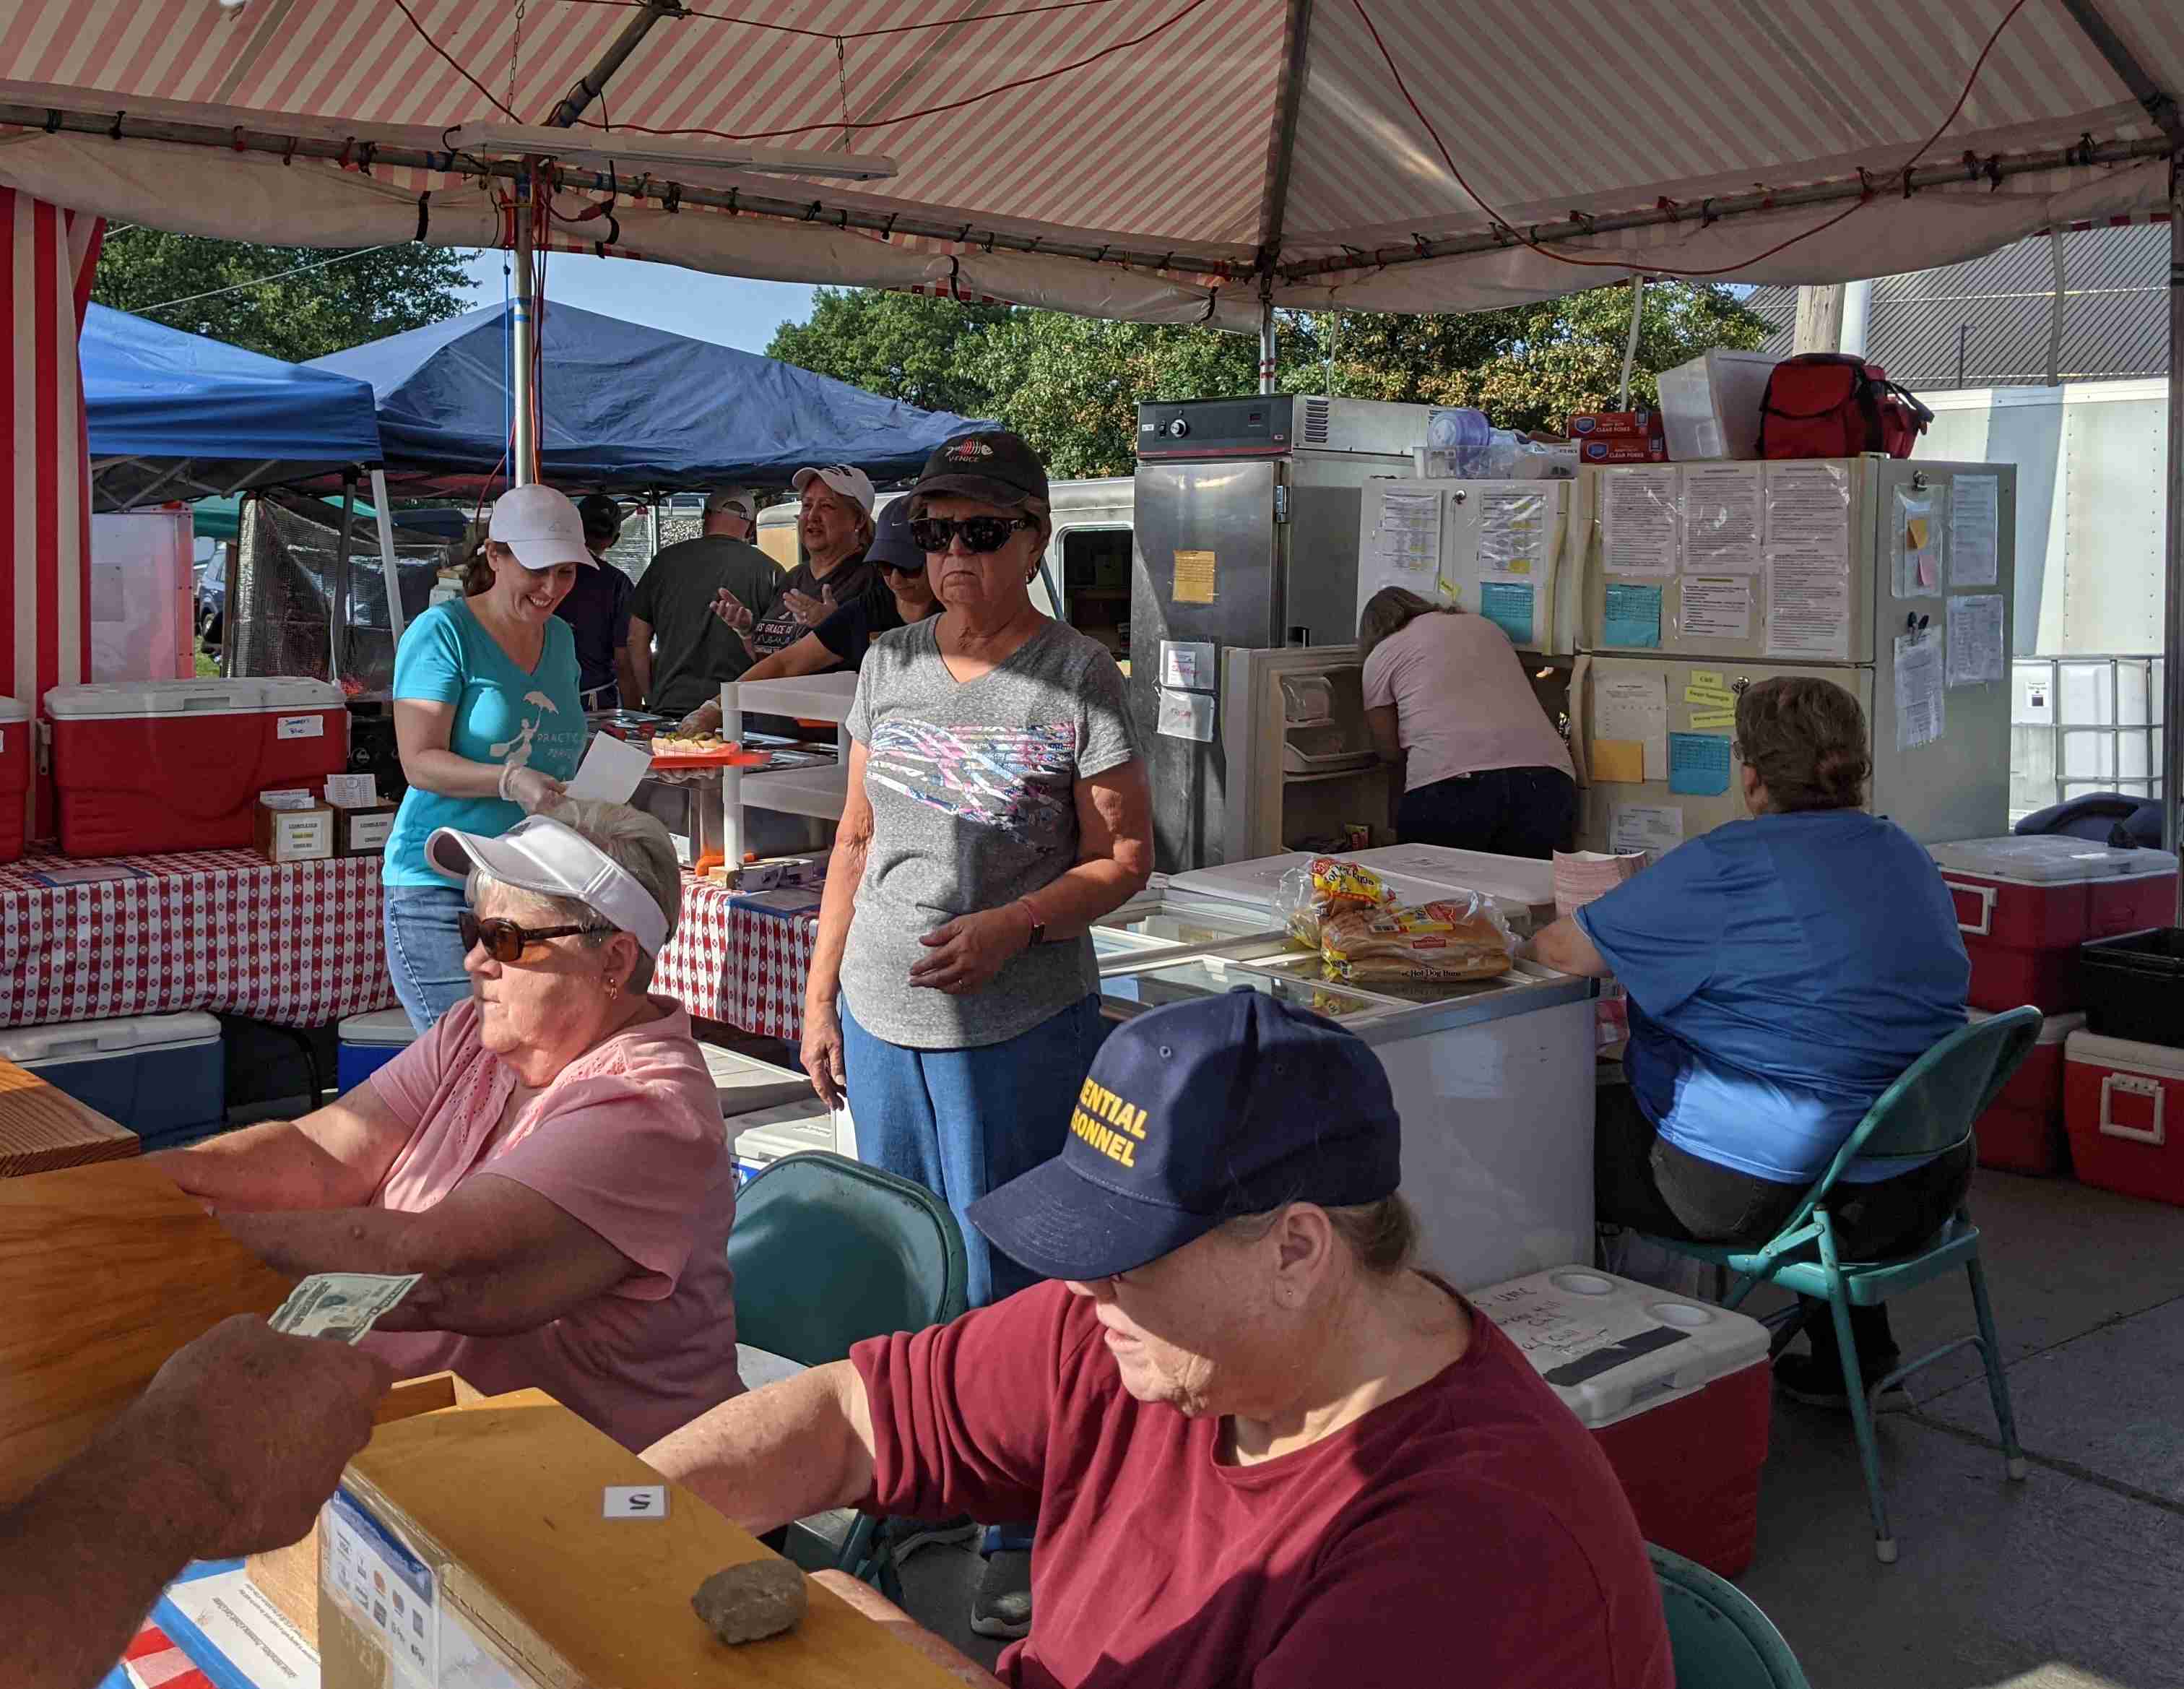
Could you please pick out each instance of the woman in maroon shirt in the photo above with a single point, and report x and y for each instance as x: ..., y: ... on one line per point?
x: 1261, y: 1449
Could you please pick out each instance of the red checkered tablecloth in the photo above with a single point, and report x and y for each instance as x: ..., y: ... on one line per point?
x: 742, y: 960
x: 298, y: 944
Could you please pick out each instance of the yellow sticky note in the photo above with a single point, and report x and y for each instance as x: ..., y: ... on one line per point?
x: 1708, y: 680
x: 1915, y: 532
x: 1619, y: 761
x: 1711, y: 696
x: 1195, y: 572
x: 1712, y: 718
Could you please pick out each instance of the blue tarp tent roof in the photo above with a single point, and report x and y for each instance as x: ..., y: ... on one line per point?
x: 175, y: 415
x: 627, y: 409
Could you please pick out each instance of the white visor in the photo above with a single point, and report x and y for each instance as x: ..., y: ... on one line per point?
x: 542, y: 854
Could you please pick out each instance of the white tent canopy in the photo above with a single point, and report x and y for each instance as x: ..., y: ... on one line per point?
x: 1156, y: 160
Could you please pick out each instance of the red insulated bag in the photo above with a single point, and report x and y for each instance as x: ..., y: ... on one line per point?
x: 1832, y: 404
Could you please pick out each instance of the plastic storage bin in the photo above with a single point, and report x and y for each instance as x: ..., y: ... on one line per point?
x: 164, y: 1076
x: 177, y: 765
x: 1678, y: 1393
x: 2025, y: 905
x: 1710, y: 406
x: 368, y: 1043
x: 2122, y: 1100
x: 2134, y: 985
x: 2022, y: 1130
x: 17, y: 758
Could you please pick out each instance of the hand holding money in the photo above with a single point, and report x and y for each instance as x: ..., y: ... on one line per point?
x: 341, y: 1306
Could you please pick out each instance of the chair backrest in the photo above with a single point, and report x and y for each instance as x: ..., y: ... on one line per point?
x: 828, y: 1251
x: 1718, y: 1639
x: 1933, y: 1105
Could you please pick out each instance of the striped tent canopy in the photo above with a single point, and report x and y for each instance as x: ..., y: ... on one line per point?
x: 1178, y: 161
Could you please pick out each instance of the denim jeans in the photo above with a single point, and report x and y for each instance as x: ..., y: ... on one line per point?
x: 1508, y: 811
x: 423, y: 953
x: 963, y: 1122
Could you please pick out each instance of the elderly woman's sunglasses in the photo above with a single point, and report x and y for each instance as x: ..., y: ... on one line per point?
x: 980, y: 534
x: 504, y: 941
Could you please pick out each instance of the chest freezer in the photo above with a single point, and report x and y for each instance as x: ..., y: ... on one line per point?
x: 1502, y: 550
x: 1515, y: 885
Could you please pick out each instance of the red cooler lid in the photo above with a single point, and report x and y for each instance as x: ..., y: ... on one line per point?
x: 13, y: 709
x: 2049, y: 858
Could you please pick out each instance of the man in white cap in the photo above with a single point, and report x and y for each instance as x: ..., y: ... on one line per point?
x: 834, y: 527
x: 679, y: 653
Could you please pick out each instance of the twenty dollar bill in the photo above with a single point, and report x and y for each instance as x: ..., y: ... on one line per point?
x: 342, y: 1305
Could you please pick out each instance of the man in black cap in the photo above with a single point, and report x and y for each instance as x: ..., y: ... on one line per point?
x: 1261, y: 1447
x: 596, y: 609
x: 680, y: 649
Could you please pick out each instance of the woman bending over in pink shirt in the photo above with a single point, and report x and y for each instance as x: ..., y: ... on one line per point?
x: 550, y: 1156
x: 1482, y: 768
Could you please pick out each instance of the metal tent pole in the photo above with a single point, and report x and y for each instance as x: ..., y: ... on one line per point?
x: 523, y: 465
x: 1266, y: 360
x: 1630, y: 344
x: 2172, y: 642
x: 338, y: 588
x: 389, y: 570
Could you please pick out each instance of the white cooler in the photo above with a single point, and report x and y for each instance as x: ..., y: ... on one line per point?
x: 164, y: 1076
x: 763, y: 1136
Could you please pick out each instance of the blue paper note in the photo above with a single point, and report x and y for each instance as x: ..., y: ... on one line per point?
x: 1634, y: 617
x: 1509, y: 608
x: 1698, y: 764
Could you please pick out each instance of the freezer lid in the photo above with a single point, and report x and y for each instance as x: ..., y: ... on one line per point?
x: 1517, y: 879
x: 114, y: 700
x: 33, y: 1046
x: 2049, y: 858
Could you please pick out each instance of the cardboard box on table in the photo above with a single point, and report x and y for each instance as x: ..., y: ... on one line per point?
x: 487, y: 1519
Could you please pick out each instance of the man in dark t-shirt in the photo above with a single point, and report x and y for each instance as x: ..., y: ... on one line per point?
x: 681, y: 651
x: 597, y: 609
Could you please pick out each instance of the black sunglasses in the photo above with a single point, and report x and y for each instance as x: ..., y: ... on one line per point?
x: 981, y: 534
x: 504, y: 941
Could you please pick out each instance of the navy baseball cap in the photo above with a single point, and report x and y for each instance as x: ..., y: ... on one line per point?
x: 891, y: 547
x: 1193, y: 1115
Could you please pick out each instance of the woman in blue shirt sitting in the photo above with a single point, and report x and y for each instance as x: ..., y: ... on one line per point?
x: 1782, y: 971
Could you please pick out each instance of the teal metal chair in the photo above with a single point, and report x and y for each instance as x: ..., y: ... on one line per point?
x: 1718, y: 1638
x: 1928, y: 1112
x: 827, y: 1252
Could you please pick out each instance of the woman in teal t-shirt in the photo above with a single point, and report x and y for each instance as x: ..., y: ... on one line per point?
x: 489, y: 722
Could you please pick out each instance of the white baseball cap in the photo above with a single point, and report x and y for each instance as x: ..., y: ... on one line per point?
x: 540, y: 854
x: 852, y: 483
x: 540, y: 525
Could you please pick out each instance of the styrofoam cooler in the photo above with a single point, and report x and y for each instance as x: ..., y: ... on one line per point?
x: 2025, y: 905
x: 16, y: 761
x: 2022, y: 1129
x: 177, y: 765
x: 2123, y: 1103
x: 366, y: 1043
x: 164, y: 1076
x: 1679, y: 1394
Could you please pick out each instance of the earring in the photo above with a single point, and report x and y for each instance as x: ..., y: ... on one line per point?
x: 614, y: 989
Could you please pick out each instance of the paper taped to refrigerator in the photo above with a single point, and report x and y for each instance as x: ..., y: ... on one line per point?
x: 1698, y: 764
x: 1641, y: 522
x: 1809, y: 509
x: 1920, y: 718
x: 1410, y: 531
x: 1974, y: 529
x: 1658, y: 827
x: 1917, y: 544
x: 1509, y: 606
x: 1974, y: 630
x: 1512, y: 536
x: 1632, y: 616
x: 1185, y: 716
x: 1716, y: 607
x: 1807, y: 606
x: 1723, y: 517
x: 1634, y: 709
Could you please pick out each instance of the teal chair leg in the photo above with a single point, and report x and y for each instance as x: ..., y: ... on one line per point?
x: 1861, y: 1410
x: 1997, y: 1380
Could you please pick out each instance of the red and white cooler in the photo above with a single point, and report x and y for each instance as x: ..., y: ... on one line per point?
x: 2022, y: 1129
x: 177, y: 765
x: 2025, y: 904
x: 2123, y: 1102
x: 1679, y: 1394
x: 16, y: 762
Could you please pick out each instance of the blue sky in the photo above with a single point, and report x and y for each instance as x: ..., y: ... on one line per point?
x: 722, y: 308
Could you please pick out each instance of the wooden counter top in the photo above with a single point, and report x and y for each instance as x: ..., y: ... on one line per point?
x: 42, y: 1128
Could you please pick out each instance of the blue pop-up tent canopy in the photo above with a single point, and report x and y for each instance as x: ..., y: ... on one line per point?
x: 627, y: 409
x: 175, y: 415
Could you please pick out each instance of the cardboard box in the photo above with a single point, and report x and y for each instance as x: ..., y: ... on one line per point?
x: 295, y: 835
x: 775, y: 873
x: 363, y: 832
x: 352, y: 791
x: 489, y: 1520
x: 1618, y: 437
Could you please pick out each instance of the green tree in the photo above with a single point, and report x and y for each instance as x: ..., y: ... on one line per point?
x: 901, y: 346
x: 323, y: 309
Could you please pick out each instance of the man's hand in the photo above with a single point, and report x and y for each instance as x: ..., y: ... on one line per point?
x: 733, y: 612
x: 967, y: 952
x: 264, y: 1423
x: 808, y: 609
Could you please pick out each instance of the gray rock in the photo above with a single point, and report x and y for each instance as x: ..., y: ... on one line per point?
x: 756, y: 1599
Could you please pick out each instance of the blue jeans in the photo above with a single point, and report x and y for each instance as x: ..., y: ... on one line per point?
x: 424, y: 954
x: 964, y: 1121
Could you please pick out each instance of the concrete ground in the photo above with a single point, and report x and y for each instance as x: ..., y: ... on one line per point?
x: 2072, y: 1579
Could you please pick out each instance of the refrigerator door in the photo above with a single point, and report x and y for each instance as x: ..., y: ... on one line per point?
x: 1209, y: 567
x: 1757, y: 562
x: 1497, y: 547
x: 1659, y: 758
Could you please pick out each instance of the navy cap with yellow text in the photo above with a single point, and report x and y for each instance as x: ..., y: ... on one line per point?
x: 1193, y: 1115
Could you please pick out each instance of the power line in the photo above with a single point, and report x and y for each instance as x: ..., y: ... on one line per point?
x: 263, y: 280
